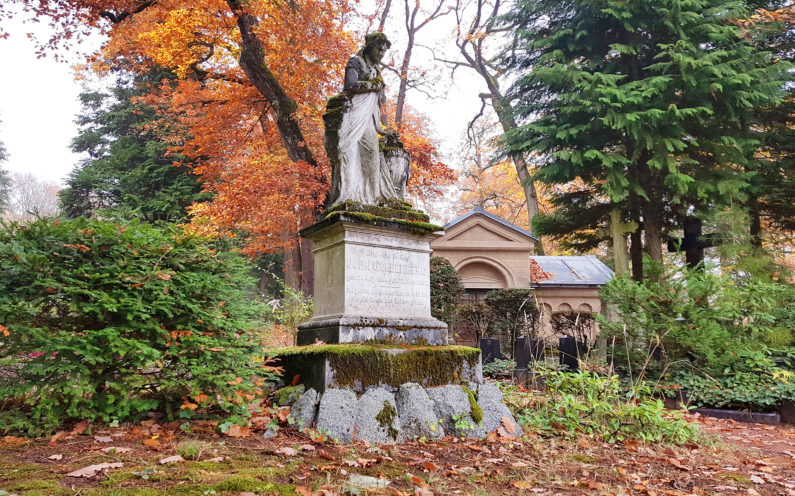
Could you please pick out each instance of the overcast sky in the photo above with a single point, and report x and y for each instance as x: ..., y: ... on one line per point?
x: 39, y: 101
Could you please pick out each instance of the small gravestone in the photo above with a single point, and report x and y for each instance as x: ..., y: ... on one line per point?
x: 567, y: 348
x: 521, y: 352
x: 490, y: 349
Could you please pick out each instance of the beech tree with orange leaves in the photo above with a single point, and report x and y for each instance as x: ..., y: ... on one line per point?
x: 252, y: 82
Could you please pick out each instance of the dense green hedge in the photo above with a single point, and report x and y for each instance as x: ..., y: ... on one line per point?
x: 106, y: 321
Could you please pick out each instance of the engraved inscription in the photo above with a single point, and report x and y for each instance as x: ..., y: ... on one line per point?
x: 387, y: 282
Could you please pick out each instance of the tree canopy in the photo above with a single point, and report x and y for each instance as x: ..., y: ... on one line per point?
x: 129, y: 171
x: 651, y: 102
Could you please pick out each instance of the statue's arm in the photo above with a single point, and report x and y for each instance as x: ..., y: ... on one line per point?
x: 353, y: 85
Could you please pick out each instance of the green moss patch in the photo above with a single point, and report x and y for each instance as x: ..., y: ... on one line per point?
x: 360, y: 366
x: 287, y: 395
x: 386, y: 418
x: 476, y: 410
x: 393, y: 209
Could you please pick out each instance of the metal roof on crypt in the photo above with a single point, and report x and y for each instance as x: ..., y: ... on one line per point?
x: 500, y: 220
x: 583, y: 270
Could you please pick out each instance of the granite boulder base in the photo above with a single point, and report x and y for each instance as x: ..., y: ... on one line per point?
x: 411, y: 412
x: 372, y: 282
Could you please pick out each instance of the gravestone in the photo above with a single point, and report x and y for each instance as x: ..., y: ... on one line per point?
x: 567, y: 348
x: 372, y: 328
x: 490, y: 349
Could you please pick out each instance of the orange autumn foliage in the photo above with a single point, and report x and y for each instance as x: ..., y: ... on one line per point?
x: 231, y: 128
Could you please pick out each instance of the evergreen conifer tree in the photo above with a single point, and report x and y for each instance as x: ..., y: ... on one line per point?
x: 647, y: 100
x: 128, y: 172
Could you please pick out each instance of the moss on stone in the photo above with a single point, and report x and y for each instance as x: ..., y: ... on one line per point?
x: 386, y: 418
x: 359, y: 366
x: 366, y: 218
x: 287, y: 395
x: 392, y: 209
x: 475, y: 409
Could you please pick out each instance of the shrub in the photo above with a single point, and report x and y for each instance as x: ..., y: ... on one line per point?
x: 478, y: 316
x: 756, y: 380
x: 106, y: 321
x: 709, y: 332
x: 446, y: 289
x: 586, y: 403
x: 292, y: 309
x: 573, y: 323
x: 499, y: 367
x: 514, y: 313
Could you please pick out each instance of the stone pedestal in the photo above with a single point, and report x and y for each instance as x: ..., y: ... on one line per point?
x: 372, y: 283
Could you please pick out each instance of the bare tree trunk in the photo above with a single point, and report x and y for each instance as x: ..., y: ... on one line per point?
x: 471, y: 47
x: 307, y: 268
x: 635, y: 239
x: 755, y: 229
x: 384, y: 15
x: 411, y: 31
x: 292, y: 259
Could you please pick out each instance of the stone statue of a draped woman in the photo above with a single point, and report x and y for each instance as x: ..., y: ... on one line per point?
x: 362, y: 170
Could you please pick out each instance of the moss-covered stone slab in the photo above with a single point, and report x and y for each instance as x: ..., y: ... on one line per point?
x: 412, y: 221
x: 359, y: 367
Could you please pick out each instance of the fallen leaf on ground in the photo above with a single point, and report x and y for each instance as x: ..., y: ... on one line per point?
x: 597, y: 486
x: 12, y: 440
x: 507, y: 423
x: 422, y: 491
x: 522, y: 484
x: 237, y: 431
x: 676, y: 463
x: 58, y: 436
x: 171, y: 459
x: 151, y: 442
x: 79, y: 428
x: 103, y: 439
x: 307, y: 447
x: 303, y: 491
x: 287, y: 451
x: 756, y: 479
x: 217, y: 459
x: 55, y: 457
x: 116, y: 449
x: 92, y: 470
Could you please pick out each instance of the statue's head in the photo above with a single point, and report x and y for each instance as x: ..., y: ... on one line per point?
x: 375, y: 44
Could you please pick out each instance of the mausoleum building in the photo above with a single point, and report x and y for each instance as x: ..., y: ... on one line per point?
x: 488, y: 252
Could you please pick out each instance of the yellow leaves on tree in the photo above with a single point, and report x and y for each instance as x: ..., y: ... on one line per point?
x: 497, y: 189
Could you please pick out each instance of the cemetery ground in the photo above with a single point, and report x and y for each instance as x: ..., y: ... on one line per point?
x: 172, y: 458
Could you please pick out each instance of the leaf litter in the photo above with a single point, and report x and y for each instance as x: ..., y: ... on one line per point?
x: 746, y: 459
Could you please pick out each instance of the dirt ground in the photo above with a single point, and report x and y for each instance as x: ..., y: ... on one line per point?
x: 742, y: 459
